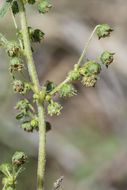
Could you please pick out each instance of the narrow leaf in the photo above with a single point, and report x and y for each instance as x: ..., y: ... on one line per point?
x: 5, y: 8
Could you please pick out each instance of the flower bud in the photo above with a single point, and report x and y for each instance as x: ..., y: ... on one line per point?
x: 94, y: 68
x: 18, y: 86
x: 26, y: 88
x: 12, y: 48
x: 103, y: 31
x: 48, y: 126
x: 67, y: 90
x: 43, y: 6
x: 107, y: 58
x: 6, y: 168
x: 26, y: 126
x: 89, y: 80
x: 16, y: 64
x: 34, y: 123
x: 38, y: 35
x: 15, y: 8
x: 50, y: 86
x: 73, y: 75
x: 48, y: 98
x: 54, y: 108
x: 22, y: 104
x: 19, y: 158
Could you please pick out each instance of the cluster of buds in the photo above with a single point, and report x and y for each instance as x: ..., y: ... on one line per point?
x: 16, y: 65
x: 54, y: 108
x: 73, y: 75
x: 31, y: 125
x: 35, y: 35
x: 12, y: 48
x: 89, y: 80
x: 11, y: 171
x: 43, y: 6
x: 21, y: 87
x: 67, y: 90
x: 89, y: 72
x: 25, y: 110
x: 24, y: 107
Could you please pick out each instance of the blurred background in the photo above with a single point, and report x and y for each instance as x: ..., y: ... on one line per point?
x: 88, y: 141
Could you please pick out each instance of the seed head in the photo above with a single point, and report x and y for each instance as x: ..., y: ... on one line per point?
x: 67, y: 90
x: 94, y: 68
x: 54, y: 108
x: 12, y: 48
x: 103, y: 31
x: 19, y: 158
x: 107, y: 58
x: 26, y: 126
x: 89, y: 80
x: 16, y: 64
x: 44, y: 6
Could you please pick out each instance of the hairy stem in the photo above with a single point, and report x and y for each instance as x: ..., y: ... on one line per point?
x: 40, y: 105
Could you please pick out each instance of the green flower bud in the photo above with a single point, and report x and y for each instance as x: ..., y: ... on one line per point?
x: 73, y: 75
x: 50, y: 86
x: 94, y: 68
x: 22, y: 104
x: 15, y: 8
x: 89, y: 80
x: 54, y: 108
x: 26, y: 88
x: 34, y: 123
x: 48, y: 98
x: 43, y: 6
x: 12, y: 48
x: 67, y: 90
x: 16, y: 64
x: 48, y: 126
x: 18, y: 86
x: 26, y: 126
x: 107, y: 58
x: 19, y: 158
x: 38, y: 35
x: 6, y: 168
x: 103, y: 31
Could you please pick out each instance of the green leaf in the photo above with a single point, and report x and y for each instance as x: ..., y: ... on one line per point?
x: 5, y: 8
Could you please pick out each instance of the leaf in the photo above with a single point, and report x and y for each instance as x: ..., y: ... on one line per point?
x: 5, y: 8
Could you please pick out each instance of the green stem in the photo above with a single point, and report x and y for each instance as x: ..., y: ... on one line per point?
x: 86, y: 47
x: 59, y: 86
x: 27, y: 46
x: 40, y: 105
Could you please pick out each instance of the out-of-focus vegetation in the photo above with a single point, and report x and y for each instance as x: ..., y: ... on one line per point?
x: 87, y: 143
